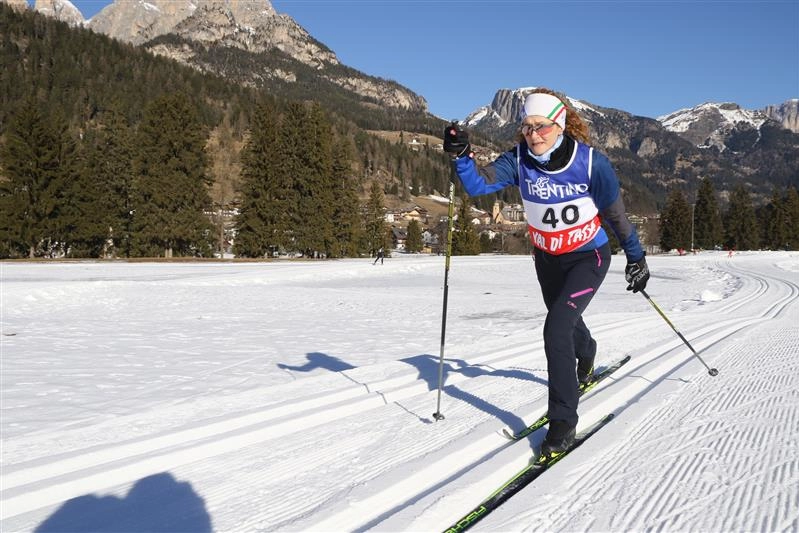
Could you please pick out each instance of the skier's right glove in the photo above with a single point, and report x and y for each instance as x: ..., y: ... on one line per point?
x: 456, y: 141
x: 637, y: 274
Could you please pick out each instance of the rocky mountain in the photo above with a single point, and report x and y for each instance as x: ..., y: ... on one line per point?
x: 251, y: 25
x: 786, y: 114
x: 62, y: 10
x: 138, y: 21
x: 710, y: 124
x: 722, y: 141
x: 244, y: 40
x: 18, y: 5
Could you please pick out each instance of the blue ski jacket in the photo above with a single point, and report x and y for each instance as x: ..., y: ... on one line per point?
x: 596, y: 173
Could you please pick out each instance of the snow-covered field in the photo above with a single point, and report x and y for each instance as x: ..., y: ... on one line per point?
x: 298, y: 396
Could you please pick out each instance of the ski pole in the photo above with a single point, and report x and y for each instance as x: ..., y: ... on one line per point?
x: 437, y: 415
x: 711, y: 371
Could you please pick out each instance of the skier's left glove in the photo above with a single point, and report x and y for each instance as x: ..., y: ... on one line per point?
x: 637, y: 274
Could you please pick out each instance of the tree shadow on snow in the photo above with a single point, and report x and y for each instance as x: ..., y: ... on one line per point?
x: 427, y: 365
x: 319, y: 360
x: 156, y: 504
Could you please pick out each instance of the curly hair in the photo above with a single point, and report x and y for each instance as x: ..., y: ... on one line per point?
x: 575, y: 127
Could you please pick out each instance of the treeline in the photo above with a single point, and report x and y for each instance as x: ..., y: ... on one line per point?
x: 115, y: 192
x: 107, y: 150
x: 739, y: 226
x: 143, y: 192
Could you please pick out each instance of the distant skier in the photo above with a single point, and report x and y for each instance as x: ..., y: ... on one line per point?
x: 565, y: 185
x: 380, y: 255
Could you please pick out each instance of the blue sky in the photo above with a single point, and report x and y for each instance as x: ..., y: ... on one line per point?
x: 645, y: 57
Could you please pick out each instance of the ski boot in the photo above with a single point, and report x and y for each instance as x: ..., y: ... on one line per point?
x: 585, y: 372
x: 560, y: 438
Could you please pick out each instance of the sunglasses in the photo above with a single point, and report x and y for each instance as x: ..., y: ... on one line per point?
x: 540, y: 129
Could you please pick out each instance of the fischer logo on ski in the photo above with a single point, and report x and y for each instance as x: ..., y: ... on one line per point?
x: 522, y: 478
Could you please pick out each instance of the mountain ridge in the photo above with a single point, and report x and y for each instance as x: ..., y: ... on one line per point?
x: 236, y: 23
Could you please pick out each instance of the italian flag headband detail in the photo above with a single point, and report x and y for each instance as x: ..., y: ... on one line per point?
x: 545, y: 105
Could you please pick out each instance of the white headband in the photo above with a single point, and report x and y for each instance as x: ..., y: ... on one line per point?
x: 545, y: 105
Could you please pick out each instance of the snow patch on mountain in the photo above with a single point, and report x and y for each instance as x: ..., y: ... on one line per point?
x: 732, y: 114
x: 710, y: 124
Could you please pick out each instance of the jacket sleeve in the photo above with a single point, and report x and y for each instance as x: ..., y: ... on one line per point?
x: 607, y: 196
x: 497, y: 175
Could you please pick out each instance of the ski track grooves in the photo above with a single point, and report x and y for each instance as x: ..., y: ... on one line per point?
x: 41, y: 483
x: 692, y: 464
x: 455, y: 465
x: 79, y: 473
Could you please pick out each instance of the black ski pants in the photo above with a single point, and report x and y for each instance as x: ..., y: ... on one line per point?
x: 568, y: 283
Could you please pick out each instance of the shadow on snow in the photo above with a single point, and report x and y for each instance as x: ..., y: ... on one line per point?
x: 157, y: 504
x: 426, y: 366
x: 319, y: 360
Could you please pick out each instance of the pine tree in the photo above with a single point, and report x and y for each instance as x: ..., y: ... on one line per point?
x: 465, y: 240
x: 346, y: 216
x: 263, y: 225
x: 791, y: 204
x: 741, y: 223
x: 780, y: 221
x: 708, y: 230
x: 171, y: 181
x: 675, y: 222
x: 413, y: 242
x: 108, y: 175
x: 773, y: 222
x: 375, y: 227
x: 31, y: 200
x: 311, y: 142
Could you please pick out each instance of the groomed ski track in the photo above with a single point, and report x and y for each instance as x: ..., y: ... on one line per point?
x: 357, y: 449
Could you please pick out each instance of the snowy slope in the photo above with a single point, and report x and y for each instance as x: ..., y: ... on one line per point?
x: 299, y: 396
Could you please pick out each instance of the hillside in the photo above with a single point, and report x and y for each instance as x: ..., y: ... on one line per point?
x: 81, y: 74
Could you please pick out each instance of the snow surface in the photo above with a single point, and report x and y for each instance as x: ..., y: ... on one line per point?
x: 437, y: 198
x: 298, y: 396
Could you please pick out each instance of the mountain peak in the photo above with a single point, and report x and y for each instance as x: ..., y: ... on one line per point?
x: 63, y: 10
x: 17, y: 5
x: 709, y: 123
x: 138, y: 21
x: 506, y: 107
x: 786, y: 114
x: 251, y: 25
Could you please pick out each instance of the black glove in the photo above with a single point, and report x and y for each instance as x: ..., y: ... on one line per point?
x: 456, y: 141
x: 637, y: 274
